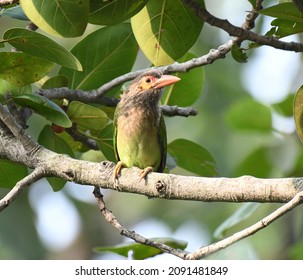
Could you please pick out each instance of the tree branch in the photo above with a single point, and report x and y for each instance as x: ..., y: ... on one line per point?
x: 77, y: 136
x: 37, y: 174
x: 252, y: 16
x: 207, y: 250
x: 166, y: 186
x: 97, y: 96
x: 93, y: 97
x: 242, y: 33
x: 29, y: 145
x: 111, y: 219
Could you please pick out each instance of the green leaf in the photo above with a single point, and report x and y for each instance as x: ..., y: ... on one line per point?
x: 242, y: 213
x: 11, y: 173
x: 14, y: 12
x: 186, y: 92
x: 285, y: 27
x: 298, y: 112
x: 269, y: 33
x: 87, y: 118
x: 285, y: 107
x: 10, y: 89
x: 22, y: 69
x: 66, y: 18
x: 112, y: 52
x: 105, y: 142
x: 38, y: 45
x: 6, y: 88
x: 249, y: 114
x: 52, y: 141
x: 55, y: 82
x: 253, y: 3
x: 257, y: 164
x: 166, y: 30
x: 286, y: 11
x: 141, y: 251
x: 238, y: 54
x: 296, y: 251
x: 113, y: 12
x: 45, y: 107
x: 192, y: 157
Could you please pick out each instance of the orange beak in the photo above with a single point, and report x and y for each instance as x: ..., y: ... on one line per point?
x: 165, y: 80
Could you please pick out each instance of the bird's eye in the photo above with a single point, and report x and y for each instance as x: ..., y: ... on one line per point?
x: 148, y: 80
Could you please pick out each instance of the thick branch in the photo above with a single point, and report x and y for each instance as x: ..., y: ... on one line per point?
x: 29, y: 145
x: 168, y: 186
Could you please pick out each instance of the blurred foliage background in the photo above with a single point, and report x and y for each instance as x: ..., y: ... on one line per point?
x: 245, y: 121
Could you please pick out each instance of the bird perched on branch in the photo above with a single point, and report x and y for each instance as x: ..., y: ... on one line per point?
x: 139, y: 128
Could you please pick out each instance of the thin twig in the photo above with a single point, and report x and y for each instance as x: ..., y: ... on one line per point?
x: 97, y: 96
x: 37, y: 174
x: 252, y: 16
x: 92, y: 97
x: 241, y: 33
x: 207, y: 250
x: 110, y: 217
x: 77, y: 136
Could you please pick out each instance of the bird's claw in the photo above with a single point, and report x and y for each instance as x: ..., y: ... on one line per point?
x: 145, y: 171
x: 120, y: 165
x: 117, y: 170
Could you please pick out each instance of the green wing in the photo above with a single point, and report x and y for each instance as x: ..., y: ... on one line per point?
x: 163, y: 143
x: 115, y: 136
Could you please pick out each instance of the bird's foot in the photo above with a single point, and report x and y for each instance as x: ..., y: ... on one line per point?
x: 117, y: 170
x: 145, y: 171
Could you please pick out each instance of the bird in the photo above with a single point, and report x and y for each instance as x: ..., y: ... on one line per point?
x: 139, y: 129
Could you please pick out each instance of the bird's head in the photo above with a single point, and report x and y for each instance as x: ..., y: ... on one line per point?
x: 150, y: 85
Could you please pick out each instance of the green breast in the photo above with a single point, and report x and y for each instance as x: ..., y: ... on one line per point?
x: 137, y: 140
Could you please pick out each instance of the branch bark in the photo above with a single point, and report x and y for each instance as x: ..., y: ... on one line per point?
x: 158, y: 185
